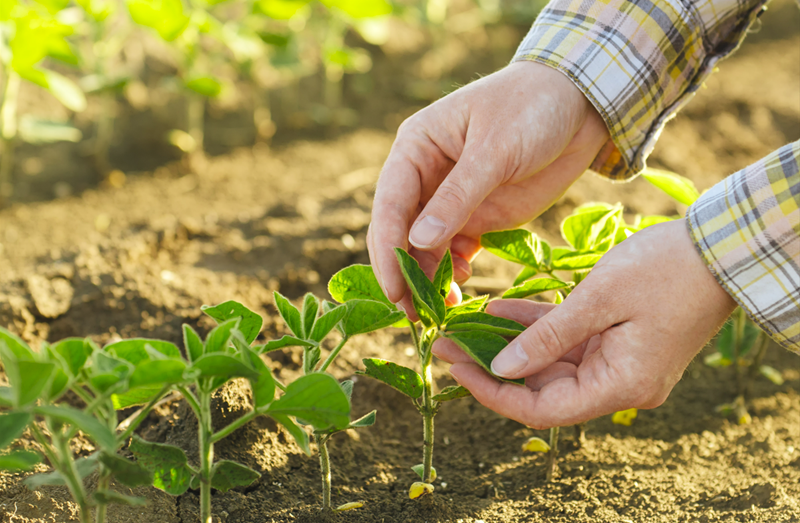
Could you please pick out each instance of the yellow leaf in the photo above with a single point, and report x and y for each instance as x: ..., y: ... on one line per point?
x: 624, y: 417
x: 419, y: 489
x: 349, y: 506
x: 536, y: 445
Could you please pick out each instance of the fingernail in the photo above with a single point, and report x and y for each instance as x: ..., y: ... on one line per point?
x: 427, y: 231
x: 401, y: 308
x: 453, y: 375
x: 511, y: 360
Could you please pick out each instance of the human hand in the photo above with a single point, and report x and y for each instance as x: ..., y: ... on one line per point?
x: 621, y: 339
x: 492, y: 155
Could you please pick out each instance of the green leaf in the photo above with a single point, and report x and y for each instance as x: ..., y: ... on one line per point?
x: 19, y: 349
x: 193, y: 343
x: 576, y: 261
x: 138, y: 396
x: 420, y: 470
x: 65, y: 90
x: 75, y: 352
x: 6, y: 397
x: 37, y: 131
x: 453, y: 392
x: 468, y: 305
x: 361, y: 8
x: 12, y: 424
x: 577, y: 227
x: 158, y: 372
x: 771, y: 374
x: 311, y: 357
x: 106, y: 371
x: 367, y: 316
x: 485, y: 322
x: 109, y: 497
x: 396, y: 376
x: 84, y: 467
x: 98, y: 432
x: 296, y: 431
x: 347, y: 388
x: 716, y: 360
x: 316, y: 398
x: 480, y: 346
x: 536, y: 286
x: 167, y: 463
x: 525, y: 273
x: 223, y: 365
x: 135, y: 350
x: 677, y: 187
x: 444, y: 275
x: 249, y: 322
x: 28, y: 379
x: 517, y: 245
x: 126, y: 472
x: 220, y: 336
x: 327, y: 322
x: 290, y: 314
x: 427, y: 296
x: 286, y: 341
x: 280, y: 9
x: 19, y: 460
x: 367, y: 420
x: 59, y: 382
x: 228, y: 474
x: 204, y: 85
x: 357, y: 282
x: 263, y: 387
x: 165, y: 16
x: 309, y: 315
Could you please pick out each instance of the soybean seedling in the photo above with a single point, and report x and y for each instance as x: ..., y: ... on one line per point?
x: 590, y: 231
x: 310, y: 326
x: 104, y: 382
x: 739, y: 336
x: 479, y: 334
x: 225, y: 354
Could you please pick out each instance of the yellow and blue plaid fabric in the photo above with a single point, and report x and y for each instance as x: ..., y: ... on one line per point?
x: 638, y: 61
x: 747, y: 229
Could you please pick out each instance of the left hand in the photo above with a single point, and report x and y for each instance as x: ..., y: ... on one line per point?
x: 621, y: 339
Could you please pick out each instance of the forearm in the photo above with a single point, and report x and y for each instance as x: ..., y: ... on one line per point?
x: 747, y: 230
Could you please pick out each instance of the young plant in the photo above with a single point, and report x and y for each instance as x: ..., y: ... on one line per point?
x: 479, y: 334
x: 104, y: 382
x: 739, y: 336
x: 225, y: 354
x: 590, y: 232
x: 29, y: 34
x: 310, y: 325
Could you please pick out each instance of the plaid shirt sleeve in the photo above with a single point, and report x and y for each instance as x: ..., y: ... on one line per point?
x: 747, y: 229
x: 637, y: 61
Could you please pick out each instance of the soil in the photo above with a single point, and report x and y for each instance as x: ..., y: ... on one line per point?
x: 139, y: 260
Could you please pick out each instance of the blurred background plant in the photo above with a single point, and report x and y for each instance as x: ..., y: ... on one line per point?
x: 137, y: 80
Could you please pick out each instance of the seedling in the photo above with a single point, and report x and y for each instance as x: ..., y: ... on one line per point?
x: 739, y: 336
x: 310, y: 326
x: 104, y: 382
x: 29, y: 35
x: 590, y: 232
x: 479, y: 334
x: 225, y: 354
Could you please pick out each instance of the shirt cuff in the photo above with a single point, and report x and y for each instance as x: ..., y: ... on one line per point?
x: 637, y: 61
x: 747, y: 230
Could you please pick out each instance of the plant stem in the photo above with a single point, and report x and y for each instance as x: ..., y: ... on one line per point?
x: 427, y: 416
x: 102, y: 484
x: 191, y: 400
x: 206, y: 456
x: 755, y: 365
x: 332, y: 355
x: 8, y: 131
x: 130, y: 426
x: 104, y: 133
x: 580, y: 434
x: 325, y: 467
x: 195, y: 115
x: 552, y: 455
x: 66, y: 466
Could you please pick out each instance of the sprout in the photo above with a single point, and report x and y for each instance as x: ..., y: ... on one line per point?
x: 535, y: 444
x: 624, y: 417
x: 419, y: 489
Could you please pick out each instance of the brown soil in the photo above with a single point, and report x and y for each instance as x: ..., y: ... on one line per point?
x: 140, y: 260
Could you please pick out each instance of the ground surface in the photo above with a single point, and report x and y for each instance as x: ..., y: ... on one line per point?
x: 140, y: 260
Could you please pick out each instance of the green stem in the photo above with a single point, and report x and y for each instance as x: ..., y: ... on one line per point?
x: 552, y: 455
x: 428, y: 412
x: 195, y: 115
x: 234, y: 426
x: 38, y: 435
x: 206, y: 456
x: 332, y: 355
x: 755, y: 365
x: 66, y: 466
x: 191, y: 399
x: 8, y: 130
x: 102, y: 484
x: 141, y: 416
x: 325, y: 466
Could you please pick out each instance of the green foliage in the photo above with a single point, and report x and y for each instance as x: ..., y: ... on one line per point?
x: 676, y: 186
x: 167, y: 463
x: 396, y: 376
x: 229, y: 474
x: 536, y: 286
x: 316, y: 398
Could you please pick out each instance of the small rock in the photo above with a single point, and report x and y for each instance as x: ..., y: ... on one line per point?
x: 52, y: 297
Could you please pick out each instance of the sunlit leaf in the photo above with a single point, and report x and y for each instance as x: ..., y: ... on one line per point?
x: 677, y: 187
x: 356, y: 282
x: 485, y: 322
x: 204, y: 85
x: 518, y: 246
x: 366, y: 316
x: 12, y: 424
x: 167, y: 463
x: 536, y: 286
x: 290, y: 314
x: 249, y: 322
x: 286, y: 341
x: 396, y: 376
x: 428, y: 299
x: 97, y: 431
x: 327, y: 322
x: 316, y: 398
x: 444, y: 275
x: 453, y: 392
x: 480, y: 346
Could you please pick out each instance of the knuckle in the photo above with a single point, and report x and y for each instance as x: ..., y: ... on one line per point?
x: 453, y: 196
x: 547, y: 338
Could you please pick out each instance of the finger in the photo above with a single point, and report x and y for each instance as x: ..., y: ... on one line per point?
x: 525, y: 312
x: 462, y: 270
x: 557, y: 370
x: 553, y: 335
x: 448, y: 351
x: 470, y: 181
x: 454, y: 297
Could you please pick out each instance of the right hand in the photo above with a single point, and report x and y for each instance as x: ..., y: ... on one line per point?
x: 492, y: 155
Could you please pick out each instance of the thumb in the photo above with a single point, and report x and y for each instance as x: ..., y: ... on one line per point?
x: 456, y: 198
x: 554, y: 335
